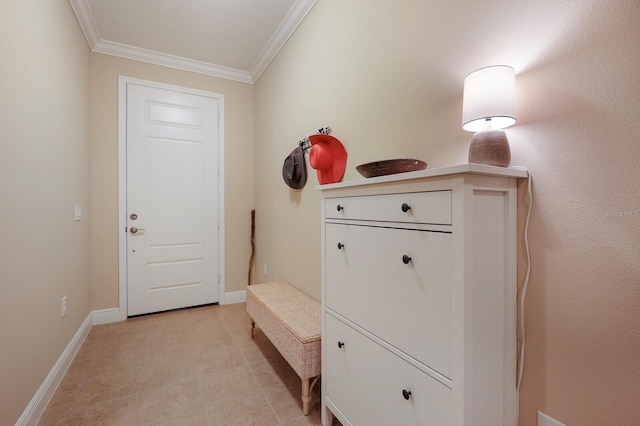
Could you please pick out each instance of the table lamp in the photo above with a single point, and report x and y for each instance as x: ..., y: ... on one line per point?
x: 488, y: 106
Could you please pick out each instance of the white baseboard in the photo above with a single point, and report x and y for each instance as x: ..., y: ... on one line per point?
x: 41, y: 399
x: 106, y: 316
x: 234, y: 297
x: 544, y: 420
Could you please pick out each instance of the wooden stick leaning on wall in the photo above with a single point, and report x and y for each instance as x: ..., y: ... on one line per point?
x: 253, y: 244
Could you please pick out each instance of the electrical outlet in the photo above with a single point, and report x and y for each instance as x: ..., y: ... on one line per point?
x: 78, y: 212
x: 544, y: 420
x: 264, y: 269
x: 64, y: 306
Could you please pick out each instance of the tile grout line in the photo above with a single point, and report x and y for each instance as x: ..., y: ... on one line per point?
x: 262, y: 391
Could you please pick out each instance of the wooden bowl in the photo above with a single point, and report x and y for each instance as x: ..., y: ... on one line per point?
x: 390, y: 167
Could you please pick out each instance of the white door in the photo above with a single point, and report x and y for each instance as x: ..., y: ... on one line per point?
x: 172, y: 199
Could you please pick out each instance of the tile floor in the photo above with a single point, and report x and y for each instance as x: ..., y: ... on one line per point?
x: 188, y: 367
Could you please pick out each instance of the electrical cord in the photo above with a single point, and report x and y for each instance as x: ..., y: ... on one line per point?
x: 523, y: 295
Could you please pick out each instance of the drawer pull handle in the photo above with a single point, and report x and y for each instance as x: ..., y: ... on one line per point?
x: 406, y: 259
x: 406, y: 394
x: 340, y: 345
x: 405, y: 207
x: 340, y: 208
x: 340, y: 246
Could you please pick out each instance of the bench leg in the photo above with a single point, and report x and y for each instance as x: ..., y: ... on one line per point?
x: 307, y: 387
x: 253, y: 326
x: 306, y: 396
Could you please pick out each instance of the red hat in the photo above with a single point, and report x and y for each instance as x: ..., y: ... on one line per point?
x: 328, y: 157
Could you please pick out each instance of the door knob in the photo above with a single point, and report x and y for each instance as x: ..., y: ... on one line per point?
x: 135, y: 230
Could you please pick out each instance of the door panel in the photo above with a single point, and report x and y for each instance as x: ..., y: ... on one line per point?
x: 174, y: 196
x: 172, y: 199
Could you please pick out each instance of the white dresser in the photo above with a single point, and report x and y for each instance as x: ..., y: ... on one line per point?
x: 419, y: 298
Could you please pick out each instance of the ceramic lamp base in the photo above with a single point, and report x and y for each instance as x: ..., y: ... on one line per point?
x: 490, y: 147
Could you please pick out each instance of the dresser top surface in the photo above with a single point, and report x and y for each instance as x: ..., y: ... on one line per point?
x: 478, y: 169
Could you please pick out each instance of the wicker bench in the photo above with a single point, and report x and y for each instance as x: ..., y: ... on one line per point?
x: 292, y: 322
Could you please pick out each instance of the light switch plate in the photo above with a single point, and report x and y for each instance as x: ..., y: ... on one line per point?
x: 78, y: 212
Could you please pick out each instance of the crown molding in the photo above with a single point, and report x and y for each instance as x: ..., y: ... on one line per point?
x: 294, y: 18
x: 96, y: 44
x: 85, y: 19
x: 287, y: 27
x: 171, y: 61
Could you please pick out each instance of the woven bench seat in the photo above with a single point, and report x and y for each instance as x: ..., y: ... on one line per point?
x: 291, y: 320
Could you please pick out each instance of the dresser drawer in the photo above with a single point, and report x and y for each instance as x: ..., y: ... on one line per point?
x: 421, y: 207
x: 407, y: 305
x: 366, y: 382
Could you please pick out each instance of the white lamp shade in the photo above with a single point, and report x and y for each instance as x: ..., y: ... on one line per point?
x: 489, y: 93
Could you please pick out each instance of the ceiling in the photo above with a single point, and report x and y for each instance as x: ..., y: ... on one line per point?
x: 233, y: 39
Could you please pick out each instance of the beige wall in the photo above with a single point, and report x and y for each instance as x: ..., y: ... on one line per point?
x: 239, y: 174
x: 44, y: 172
x: 388, y: 75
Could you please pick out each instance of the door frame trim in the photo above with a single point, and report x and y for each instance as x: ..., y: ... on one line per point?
x: 122, y: 183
